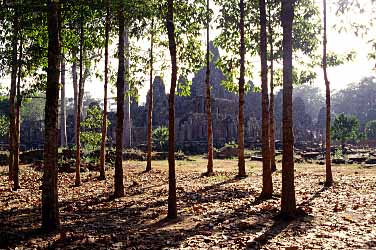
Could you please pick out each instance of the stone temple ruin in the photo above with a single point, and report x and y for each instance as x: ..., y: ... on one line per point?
x: 191, y: 117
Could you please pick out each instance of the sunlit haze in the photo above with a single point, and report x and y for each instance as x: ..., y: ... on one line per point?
x: 339, y: 76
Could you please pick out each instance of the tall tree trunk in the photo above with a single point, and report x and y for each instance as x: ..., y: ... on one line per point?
x: 150, y: 108
x: 12, y: 95
x: 267, y: 184
x: 242, y: 51
x: 209, y: 170
x: 127, y: 113
x: 50, y: 208
x: 16, y: 159
x: 329, y: 176
x: 79, y: 105
x: 273, y: 165
x: 119, y: 185
x: 75, y: 92
x: 63, y: 119
x: 288, y: 201
x: 172, y: 206
x: 104, y: 122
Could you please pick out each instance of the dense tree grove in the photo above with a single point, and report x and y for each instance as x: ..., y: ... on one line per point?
x: 47, y: 44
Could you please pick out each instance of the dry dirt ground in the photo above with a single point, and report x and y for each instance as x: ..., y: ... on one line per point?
x: 217, y: 212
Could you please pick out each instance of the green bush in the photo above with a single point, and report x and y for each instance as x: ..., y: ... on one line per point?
x: 370, y: 130
x: 4, y: 125
x: 91, y: 134
x: 160, y: 138
x: 345, y: 128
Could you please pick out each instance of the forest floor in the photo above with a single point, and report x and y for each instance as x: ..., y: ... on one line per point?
x: 217, y: 212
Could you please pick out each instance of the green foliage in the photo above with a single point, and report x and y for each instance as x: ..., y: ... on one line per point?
x: 160, y: 137
x: 91, y: 140
x: 93, y: 119
x: 307, y: 27
x: 229, y: 40
x: 91, y: 134
x: 338, y: 154
x: 4, y: 125
x: 335, y: 59
x: 300, y: 76
x: 345, y: 127
x: 189, y: 20
x: 370, y: 130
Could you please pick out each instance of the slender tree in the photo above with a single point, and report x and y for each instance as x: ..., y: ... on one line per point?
x: 102, y: 157
x: 63, y: 119
x: 242, y: 51
x: 50, y: 209
x: 150, y: 107
x: 127, y: 134
x: 75, y: 91
x: 288, y: 201
x: 16, y: 160
x: 267, y: 187
x: 329, y: 176
x: 209, y: 170
x: 172, y: 206
x: 12, y: 95
x: 119, y: 184
x: 273, y: 165
x: 79, y: 104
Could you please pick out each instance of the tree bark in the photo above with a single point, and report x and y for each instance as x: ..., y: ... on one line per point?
x: 79, y: 105
x: 329, y: 175
x: 102, y: 157
x: 267, y: 184
x: 127, y: 113
x: 75, y: 92
x: 50, y: 209
x: 242, y: 51
x: 150, y: 108
x: 172, y: 206
x: 12, y: 96
x: 209, y: 170
x: 16, y: 159
x: 273, y: 165
x: 288, y: 201
x: 119, y: 185
x: 63, y: 119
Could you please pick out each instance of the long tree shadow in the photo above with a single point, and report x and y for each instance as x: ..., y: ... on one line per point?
x: 124, y: 226
x: 277, y: 228
x: 314, y: 196
x: 281, y: 224
x: 214, y: 192
x: 135, y: 222
x: 118, y: 223
x: 23, y: 224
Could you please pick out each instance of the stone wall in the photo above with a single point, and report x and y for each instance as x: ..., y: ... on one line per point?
x: 191, y: 117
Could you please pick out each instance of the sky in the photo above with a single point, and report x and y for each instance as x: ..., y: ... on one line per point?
x: 339, y: 76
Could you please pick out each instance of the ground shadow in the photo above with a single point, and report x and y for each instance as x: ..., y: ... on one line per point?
x: 273, y: 231
x: 135, y: 222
